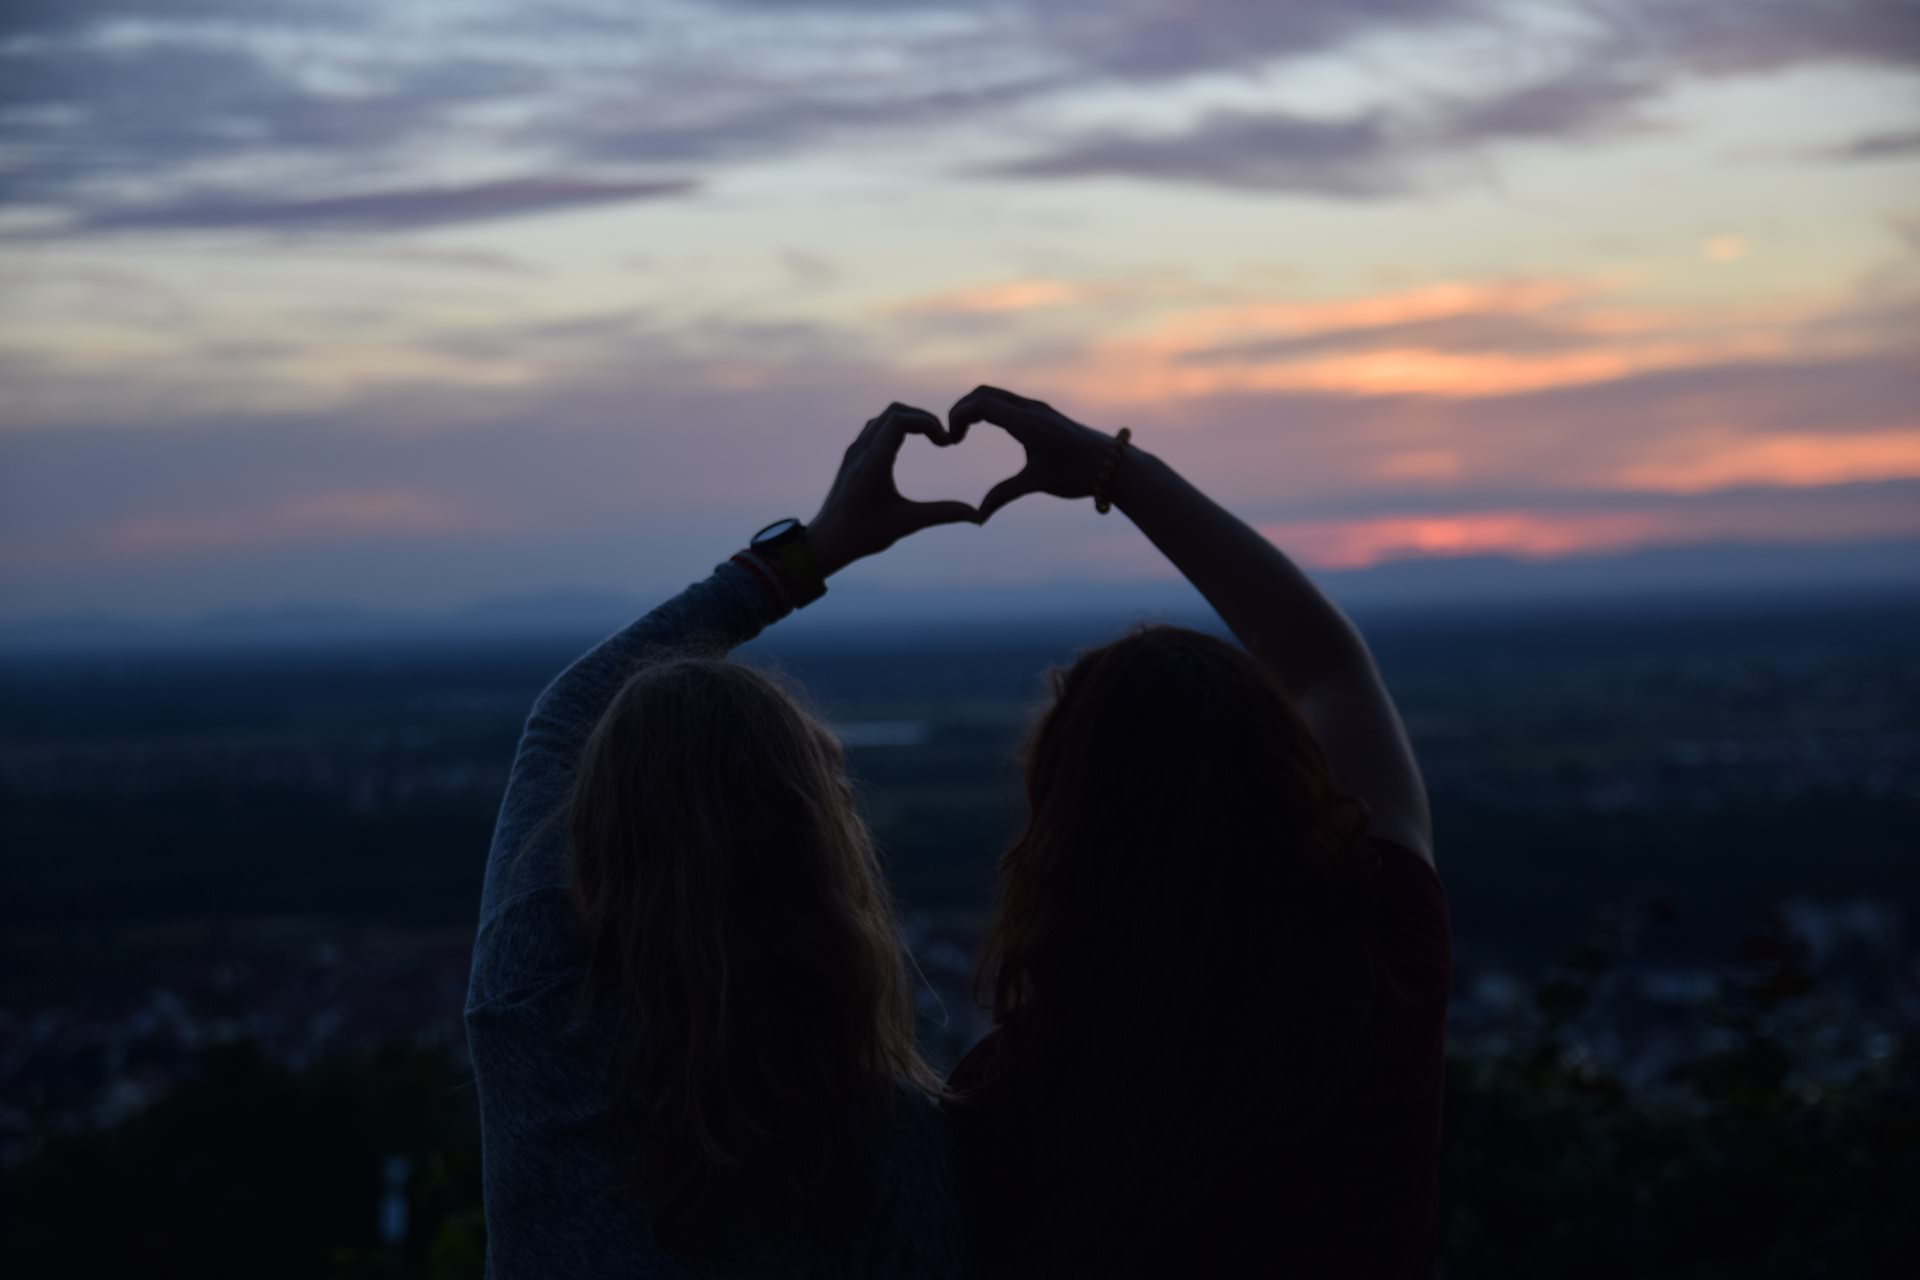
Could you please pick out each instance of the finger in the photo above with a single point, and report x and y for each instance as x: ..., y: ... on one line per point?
x: 902, y: 420
x: 1006, y: 491
x: 1014, y: 397
x: 925, y: 515
x: 921, y: 421
x: 1016, y: 416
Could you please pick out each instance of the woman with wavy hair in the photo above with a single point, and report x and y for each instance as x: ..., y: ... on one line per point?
x: 1220, y: 954
x: 689, y: 1011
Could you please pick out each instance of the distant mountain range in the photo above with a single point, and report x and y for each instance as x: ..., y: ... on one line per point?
x: 1704, y: 574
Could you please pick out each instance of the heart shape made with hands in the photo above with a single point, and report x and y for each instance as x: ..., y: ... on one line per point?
x: 926, y: 472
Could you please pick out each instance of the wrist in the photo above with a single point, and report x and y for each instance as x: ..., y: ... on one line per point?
x: 829, y: 547
x: 1095, y: 447
x: 783, y: 555
x: 1132, y: 477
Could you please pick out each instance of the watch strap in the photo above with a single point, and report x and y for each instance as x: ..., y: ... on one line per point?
x: 790, y: 558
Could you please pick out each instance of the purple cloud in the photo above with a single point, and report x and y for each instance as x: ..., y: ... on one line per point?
x: 86, y: 116
x: 1738, y: 37
x: 82, y: 114
x: 1877, y: 146
x: 1270, y: 152
x: 387, y: 210
x: 1359, y: 157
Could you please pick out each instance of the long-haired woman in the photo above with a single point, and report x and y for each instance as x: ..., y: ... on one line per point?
x: 689, y: 1013
x: 1220, y: 955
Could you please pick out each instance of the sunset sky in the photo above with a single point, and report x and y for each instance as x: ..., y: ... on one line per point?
x: 412, y: 304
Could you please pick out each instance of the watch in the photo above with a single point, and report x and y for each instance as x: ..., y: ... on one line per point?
x: 783, y: 544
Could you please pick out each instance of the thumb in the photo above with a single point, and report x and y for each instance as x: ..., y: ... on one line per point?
x: 1006, y: 491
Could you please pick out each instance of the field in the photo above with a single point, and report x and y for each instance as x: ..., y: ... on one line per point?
x: 164, y: 806
x: 239, y: 888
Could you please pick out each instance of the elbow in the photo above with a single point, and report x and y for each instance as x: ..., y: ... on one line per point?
x: 1340, y: 660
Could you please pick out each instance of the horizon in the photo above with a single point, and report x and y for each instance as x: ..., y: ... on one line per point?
x: 1481, y: 591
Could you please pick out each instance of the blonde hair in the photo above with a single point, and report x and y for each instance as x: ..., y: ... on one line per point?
x: 735, y: 910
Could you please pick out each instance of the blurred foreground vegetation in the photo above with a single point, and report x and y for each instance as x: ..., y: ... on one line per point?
x: 1736, y: 1166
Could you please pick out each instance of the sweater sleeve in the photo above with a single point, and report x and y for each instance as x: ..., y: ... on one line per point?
x: 528, y: 853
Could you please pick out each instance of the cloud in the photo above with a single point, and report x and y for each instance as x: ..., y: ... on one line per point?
x: 107, y: 102
x: 1741, y: 37
x: 1766, y: 427
x: 80, y: 114
x: 1877, y: 146
x: 40, y: 18
x: 691, y: 113
x: 336, y: 515
x: 1628, y: 522
x: 1724, y: 248
x: 1579, y: 104
x: 1508, y: 391
x: 1259, y: 151
x: 1165, y: 38
x: 1722, y: 458
x: 1537, y: 534
x: 991, y: 299
x: 1464, y: 339
x: 1366, y: 156
x: 610, y: 464
x: 1140, y: 39
x: 386, y: 210
x: 1510, y: 317
x: 809, y: 270
x: 1627, y: 55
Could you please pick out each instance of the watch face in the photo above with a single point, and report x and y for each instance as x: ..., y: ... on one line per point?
x: 775, y: 531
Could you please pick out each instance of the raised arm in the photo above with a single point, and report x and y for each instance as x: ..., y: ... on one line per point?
x: 863, y: 514
x: 1277, y: 612
x: 713, y: 616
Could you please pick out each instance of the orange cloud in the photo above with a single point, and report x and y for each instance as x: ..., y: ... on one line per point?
x: 1535, y: 533
x: 1724, y: 459
x: 1402, y: 371
x: 1355, y: 544
x: 324, y: 517
x: 1457, y: 339
x: 1727, y: 248
x: 1204, y: 327
x: 1011, y: 295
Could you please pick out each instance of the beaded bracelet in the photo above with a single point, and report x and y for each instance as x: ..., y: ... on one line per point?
x: 1103, y: 478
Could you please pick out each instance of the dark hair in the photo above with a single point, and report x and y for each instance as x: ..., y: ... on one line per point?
x: 1172, y: 959
x: 735, y: 913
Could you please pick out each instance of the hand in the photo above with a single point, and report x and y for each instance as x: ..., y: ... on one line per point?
x: 1063, y: 456
x: 864, y: 513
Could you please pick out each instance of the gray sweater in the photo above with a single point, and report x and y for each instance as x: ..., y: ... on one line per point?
x: 543, y: 1046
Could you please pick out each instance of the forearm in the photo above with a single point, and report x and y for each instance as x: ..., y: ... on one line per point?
x: 710, y: 618
x: 1277, y: 612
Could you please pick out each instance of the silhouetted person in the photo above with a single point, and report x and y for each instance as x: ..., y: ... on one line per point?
x: 689, y: 1012
x: 1220, y: 955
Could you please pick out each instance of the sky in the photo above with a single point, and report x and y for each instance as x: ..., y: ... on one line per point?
x: 408, y: 305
